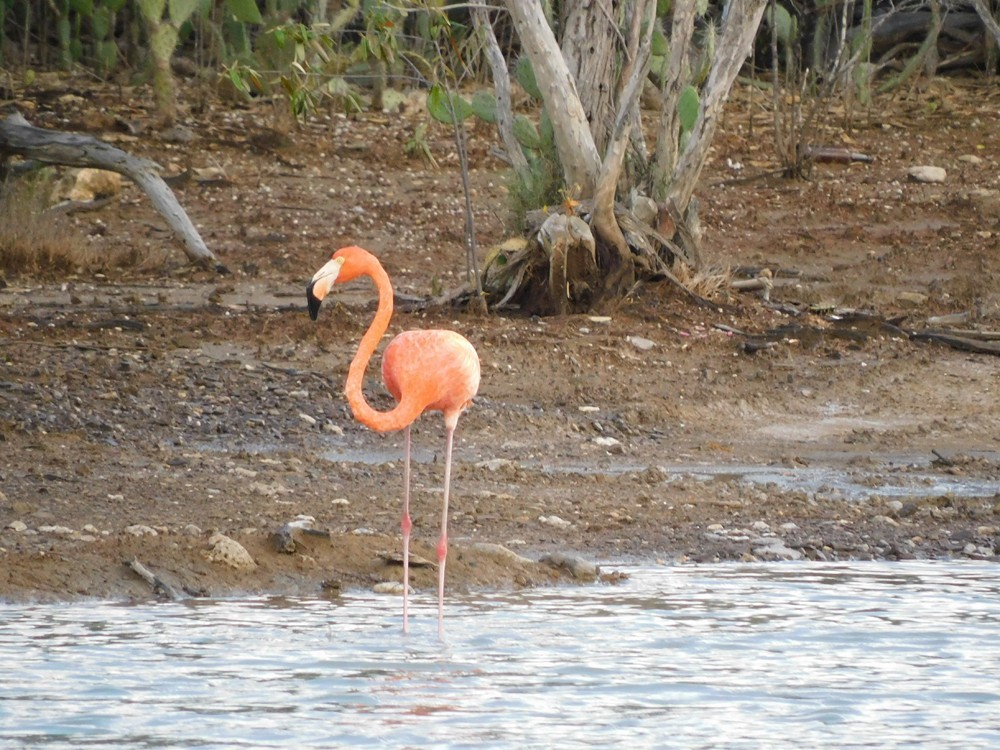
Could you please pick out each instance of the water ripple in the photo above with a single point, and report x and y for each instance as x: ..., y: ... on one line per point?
x: 782, y: 656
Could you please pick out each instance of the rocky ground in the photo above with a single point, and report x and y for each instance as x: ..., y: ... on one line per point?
x: 152, y: 412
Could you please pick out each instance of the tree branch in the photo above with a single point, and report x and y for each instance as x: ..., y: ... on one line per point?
x: 501, y: 87
x: 17, y: 136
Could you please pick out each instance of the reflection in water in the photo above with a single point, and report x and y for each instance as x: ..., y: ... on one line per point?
x: 780, y: 655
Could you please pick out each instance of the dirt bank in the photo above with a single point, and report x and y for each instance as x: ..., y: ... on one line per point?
x: 146, y: 408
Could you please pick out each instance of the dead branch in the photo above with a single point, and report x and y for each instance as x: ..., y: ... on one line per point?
x: 19, y: 137
x: 160, y: 587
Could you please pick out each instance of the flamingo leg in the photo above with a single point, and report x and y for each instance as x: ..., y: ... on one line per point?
x: 442, y: 549
x: 407, y: 525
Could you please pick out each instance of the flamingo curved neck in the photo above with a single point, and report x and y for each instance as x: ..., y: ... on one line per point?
x: 402, y: 415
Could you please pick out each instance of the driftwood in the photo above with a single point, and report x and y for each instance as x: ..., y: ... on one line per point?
x: 160, y: 587
x: 19, y: 137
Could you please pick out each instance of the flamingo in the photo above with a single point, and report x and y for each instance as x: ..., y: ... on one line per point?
x: 425, y: 370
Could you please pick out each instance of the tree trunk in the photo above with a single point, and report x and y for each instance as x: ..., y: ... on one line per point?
x: 589, y: 44
x: 575, y: 145
x: 739, y: 26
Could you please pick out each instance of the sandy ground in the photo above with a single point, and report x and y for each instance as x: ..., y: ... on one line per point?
x: 146, y: 407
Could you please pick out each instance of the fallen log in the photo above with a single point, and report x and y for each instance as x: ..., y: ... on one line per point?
x: 979, y: 346
x: 19, y: 137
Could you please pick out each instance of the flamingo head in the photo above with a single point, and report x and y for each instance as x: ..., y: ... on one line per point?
x: 346, y: 264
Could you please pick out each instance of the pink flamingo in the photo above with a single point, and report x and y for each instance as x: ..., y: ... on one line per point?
x: 431, y: 370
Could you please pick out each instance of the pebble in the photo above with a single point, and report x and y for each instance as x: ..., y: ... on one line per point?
x: 640, y: 343
x: 192, y: 530
x: 389, y: 587
x: 776, y: 548
x: 17, y: 526
x: 494, y: 464
x: 580, y: 569
x: 229, y: 552
x: 333, y: 428
x: 309, y: 420
x: 559, y: 523
x: 138, y: 529
x: 57, y: 530
x: 927, y: 174
x: 498, y: 550
x: 607, y: 442
x: 970, y: 159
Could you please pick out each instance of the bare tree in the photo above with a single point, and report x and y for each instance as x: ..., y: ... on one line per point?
x: 638, y: 206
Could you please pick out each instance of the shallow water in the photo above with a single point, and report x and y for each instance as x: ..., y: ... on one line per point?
x: 769, y: 655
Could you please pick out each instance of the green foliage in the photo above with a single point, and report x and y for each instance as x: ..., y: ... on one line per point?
x: 526, y: 133
x: 688, y: 107
x: 245, y: 11
x: 785, y: 24
x: 525, y: 76
x: 484, y: 106
x: 446, y: 106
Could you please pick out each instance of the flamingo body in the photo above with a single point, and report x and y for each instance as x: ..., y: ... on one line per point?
x: 440, y: 369
x: 428, y: 370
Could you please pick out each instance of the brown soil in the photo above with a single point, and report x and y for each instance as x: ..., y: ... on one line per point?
x: 154, y: 398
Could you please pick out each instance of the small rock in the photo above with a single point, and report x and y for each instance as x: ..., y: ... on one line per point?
x: 17, y: 526
x: 192, y: 530
x: 138, y: 529
x: 556, y: 521
x: 613, y: 445
x: 927, y: 174
x: 605, y: 319
x: 915, y: 299
x: 970, y: 159
x: 309, y: 420
x: 388, y: 587
x: 57, y: 530
x: 230, y: 552
x: 579, y: 568
x: 775, y: 548
x: 333, y: 428
x: 588, y: 408
x: 761, y: 526
x: 494, y: 464
x: 498, y: 550
x: 241, y: 472
x: 640, y: 343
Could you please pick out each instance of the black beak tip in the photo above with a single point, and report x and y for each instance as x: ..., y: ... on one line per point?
x: 314, y: 302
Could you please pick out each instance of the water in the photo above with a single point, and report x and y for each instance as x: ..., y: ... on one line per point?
x: 787, y: 655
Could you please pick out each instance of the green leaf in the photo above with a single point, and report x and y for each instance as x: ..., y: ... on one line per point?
x: 546, y: 132
x: 784, y: 24
x: 181, y: 10
x: 659, y: 45
x: 163, y: 41
x: 101, y: 24
x: 442, y: 104
x: 484, y: 106
x: 84, y: 7
x: 688, y: 106
x: 526, y: 133
x: 152, y: 10
x: 245, y: 10
x: 525, y: 75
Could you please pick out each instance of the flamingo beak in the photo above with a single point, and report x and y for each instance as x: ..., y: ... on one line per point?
x: 321, y: 284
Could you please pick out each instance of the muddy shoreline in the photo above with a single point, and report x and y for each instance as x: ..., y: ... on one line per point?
x: 146, y: 407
